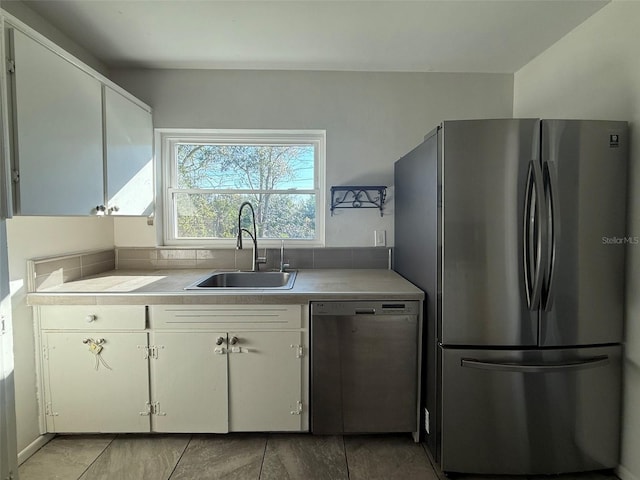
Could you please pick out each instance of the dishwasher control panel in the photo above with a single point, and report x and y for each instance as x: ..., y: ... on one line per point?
x: 376, y: 307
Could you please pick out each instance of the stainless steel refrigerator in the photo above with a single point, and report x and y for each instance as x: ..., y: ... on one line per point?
x: 515, y: 229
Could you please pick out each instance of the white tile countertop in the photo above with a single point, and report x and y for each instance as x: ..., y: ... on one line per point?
x: 145, y: 287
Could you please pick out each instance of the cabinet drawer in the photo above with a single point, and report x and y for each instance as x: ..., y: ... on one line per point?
x: 226, y: 316
x: 92, y: 317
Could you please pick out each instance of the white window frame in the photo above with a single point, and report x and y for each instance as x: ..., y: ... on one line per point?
x: 165, y: 143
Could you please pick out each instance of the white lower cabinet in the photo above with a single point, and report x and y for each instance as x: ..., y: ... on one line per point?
x: 265, y: 381
x: 189, y: 382
x: 204, y: 369
x: 89, y: 392
x: 229, y: 368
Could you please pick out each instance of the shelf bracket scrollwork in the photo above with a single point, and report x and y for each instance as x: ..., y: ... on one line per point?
x: 357, y: 196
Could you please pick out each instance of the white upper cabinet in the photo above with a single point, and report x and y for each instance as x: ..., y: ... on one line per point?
x: 129, y: 156
x: 58, y: 133
x: 80, y: 144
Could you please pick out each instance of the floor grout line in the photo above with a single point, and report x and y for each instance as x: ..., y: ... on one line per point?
x: 98, y: 456
x: 180, y: 457
x: 346, y: 457
x: 264, y: 455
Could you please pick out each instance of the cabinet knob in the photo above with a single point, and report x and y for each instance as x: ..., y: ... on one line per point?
x: 219, y: 340
x: 113, y: 209
x: 234, y: 340
x: 100, y: 209
x: 91, y: 318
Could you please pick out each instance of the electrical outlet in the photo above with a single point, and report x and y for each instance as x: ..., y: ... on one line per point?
x: 426, y: 420
x: 380, y: 238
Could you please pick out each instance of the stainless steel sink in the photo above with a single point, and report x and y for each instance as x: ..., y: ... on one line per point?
x: 246, y: 280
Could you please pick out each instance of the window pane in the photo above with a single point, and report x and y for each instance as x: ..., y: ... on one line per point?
x: 216, y: 215
x: 247, y: 167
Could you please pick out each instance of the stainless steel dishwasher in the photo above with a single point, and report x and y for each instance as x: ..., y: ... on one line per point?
x: 364, y: 367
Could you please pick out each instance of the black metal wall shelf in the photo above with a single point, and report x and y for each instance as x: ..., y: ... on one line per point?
x: 358, y: 196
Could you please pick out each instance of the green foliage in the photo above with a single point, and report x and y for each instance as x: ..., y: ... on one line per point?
x: 258, y: 169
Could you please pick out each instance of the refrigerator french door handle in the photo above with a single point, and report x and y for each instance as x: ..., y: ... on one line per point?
x: 553, y: 230
x: 527, y: 253
x: 528, y: 237
x: 581, y: 364
x: 534, y: 231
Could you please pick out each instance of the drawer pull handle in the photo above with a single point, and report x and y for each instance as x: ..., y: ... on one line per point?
x: 91, y: 318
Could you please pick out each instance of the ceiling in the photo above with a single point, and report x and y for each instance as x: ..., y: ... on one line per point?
x: 497, y: 36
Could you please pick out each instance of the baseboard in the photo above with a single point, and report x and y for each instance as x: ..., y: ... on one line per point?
x: 34, y: 446
x: 625, y: 474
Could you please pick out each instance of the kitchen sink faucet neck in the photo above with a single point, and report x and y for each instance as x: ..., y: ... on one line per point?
x: 255, y: 263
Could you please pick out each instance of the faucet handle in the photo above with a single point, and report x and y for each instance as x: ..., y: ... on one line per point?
x: 283, y: 266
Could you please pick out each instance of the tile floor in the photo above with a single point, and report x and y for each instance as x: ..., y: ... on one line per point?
x: 240, y: 457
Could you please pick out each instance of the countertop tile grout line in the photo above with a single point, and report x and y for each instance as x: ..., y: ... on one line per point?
x: 180, y: 457
x: 98, y: 456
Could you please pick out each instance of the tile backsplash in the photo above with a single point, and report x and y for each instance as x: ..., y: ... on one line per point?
x: 49, y: 272
x: 297, y: 258
x: 52, y: 271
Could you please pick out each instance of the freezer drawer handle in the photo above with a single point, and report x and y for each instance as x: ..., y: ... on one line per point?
x: 536, y: 367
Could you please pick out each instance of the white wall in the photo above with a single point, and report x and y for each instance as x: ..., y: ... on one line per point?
x: 31, y: 237
x: 594, y: 72
x: 371, y: 120
x: 21, y: 11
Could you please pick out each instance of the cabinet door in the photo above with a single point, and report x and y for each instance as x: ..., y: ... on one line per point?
x: 189, y: 382
x: 265, y: 381
x: 58, y: 133
x: 89, y: 393
x: 129, y: 152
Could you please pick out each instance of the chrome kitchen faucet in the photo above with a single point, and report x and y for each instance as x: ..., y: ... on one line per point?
x: 254, y: 237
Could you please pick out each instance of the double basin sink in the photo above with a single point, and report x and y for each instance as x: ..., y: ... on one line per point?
x: 246, y: 280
